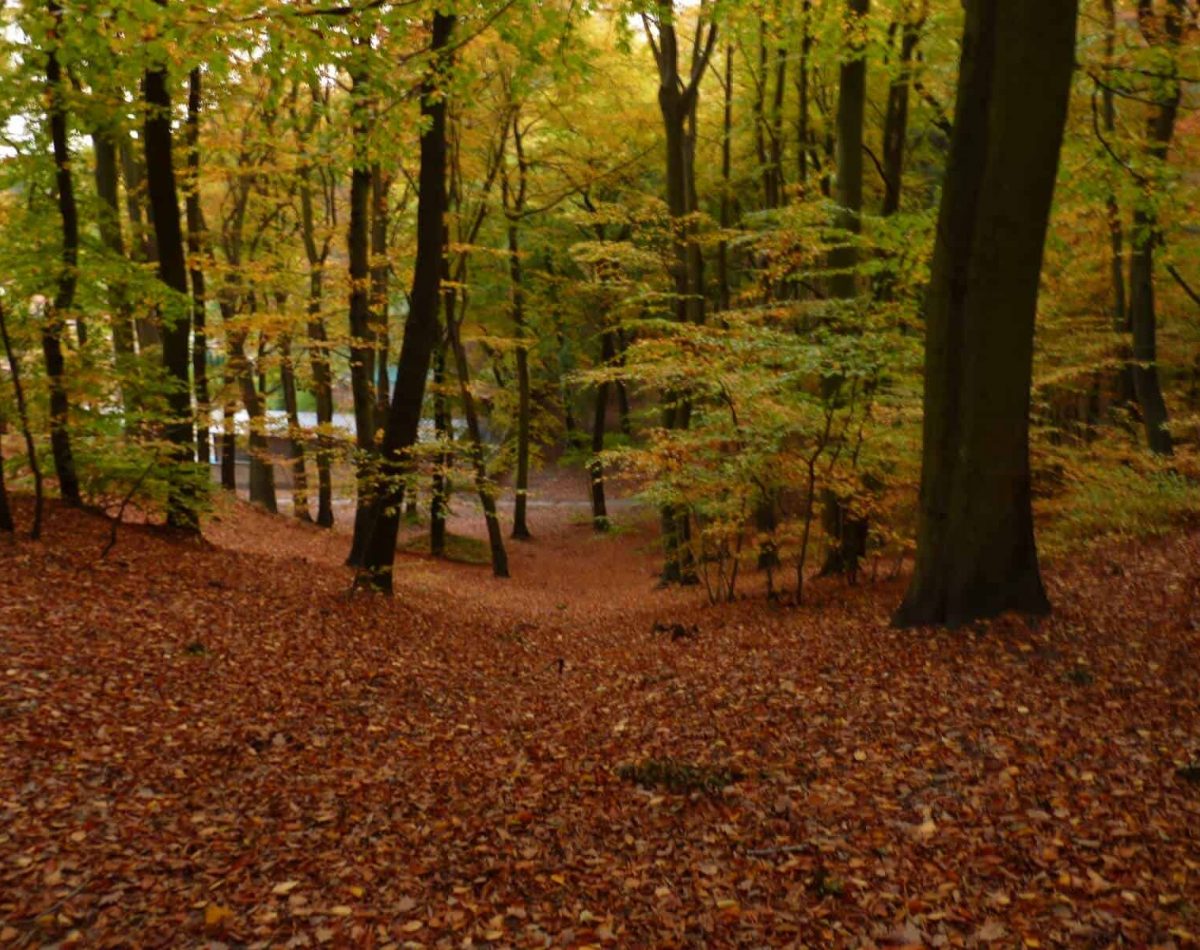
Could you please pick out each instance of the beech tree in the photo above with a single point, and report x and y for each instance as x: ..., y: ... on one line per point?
x: 976, y: 554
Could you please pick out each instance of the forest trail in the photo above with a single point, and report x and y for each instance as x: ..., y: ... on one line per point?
x: 215, y: 741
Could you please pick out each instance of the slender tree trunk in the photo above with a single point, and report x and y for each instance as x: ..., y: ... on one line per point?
x: 6, y: 518
x: 287, y: 374
x: 1165, y: 31
x: 14, y: 369
x: 318, y: 356
x: 64, y: 297
x: 196, y: 243
x: 108, y: 218
x: 172, y: 270
x: 362, y: 342
x: 228, y: 439
x: 895, y: 125
x: 852, y: 97
x: 514, y: 205
x: 421, y: 327
x: 596, y: 467
x: 487, y: 498
x: 726, y: 212
x: 778, y: 184
x: 380, y: 270
x: 143, y: 248
x: 976, y: 555
x: 804, y: 141
x: 262, y: 470
x: 439, y: 502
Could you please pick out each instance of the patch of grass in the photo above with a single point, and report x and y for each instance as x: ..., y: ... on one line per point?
x: 1117, y: 501
x: 681, y: 778
x: 459, y: 548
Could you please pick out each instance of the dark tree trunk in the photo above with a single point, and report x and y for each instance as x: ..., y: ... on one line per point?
x: 228, y: 439
x: 318, y: 356
x: 421, y: 327
x: 380, y: 271
x: 14, y: 369
x: 262, y: 470
x: 596, y: 467
x: 852, y: 97
x: 976, y: 555
x: 487, y: 499
x: 439, y: 502
x: 805, y: 147
x: 318, y: 343
x: 362, y: 342
x: 196, y: 244
x: 6, y: 518
x: 1165, y: 31
x: 142, y: 246
x: 64, y: 296
x: 677, y: 99
x: 172, y: 270
x: 514, y: 205
x: 895, y: 124
x: 107, y: 178
x: 726, y: 207
x: 287, y: 375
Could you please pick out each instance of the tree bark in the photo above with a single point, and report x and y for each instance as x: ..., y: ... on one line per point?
x: 380, y: 271
x: 976, y: 555
x: 362, y: 338
x: 287, y: 375
x: 108, y: 219
x: 64, y: 296
x: 514, y: 206
x: 1165, y: 31
x: 895, y: 124
x: 14, y: 369
x: 852, y: 97
x: 196, y: 241
x: 421, y: 327
x: 172, y: 270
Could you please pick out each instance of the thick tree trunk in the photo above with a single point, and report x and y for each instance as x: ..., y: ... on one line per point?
x: 976, y: 555
x: 64, y: 296
x: 196, y: 251
x: 421, y: 327
x: 172, y: 270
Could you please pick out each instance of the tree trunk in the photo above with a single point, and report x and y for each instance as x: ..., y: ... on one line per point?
x: 14, y: 369
x: 976, y: 555
x: 421, y: 327
x: 108, y: 219
x: 1164, y: 32
x: 172, y: 270
x: 318, y: 356
x: 852, y: 97
x: 487, y: 499
x: 196, y: 243
x: 516, y: 198
x: 64, y: 297
x: 380, y: 271
x: 439, y: 502
x: 362, y: 337
x: 262, y: 470
x: 895, y: 124
x: 596, y: 467
x: 142, y: 245
x: 287, y: 375
x: 6, y: 518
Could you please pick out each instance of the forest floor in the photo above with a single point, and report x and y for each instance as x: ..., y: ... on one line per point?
x: 214, y: 743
